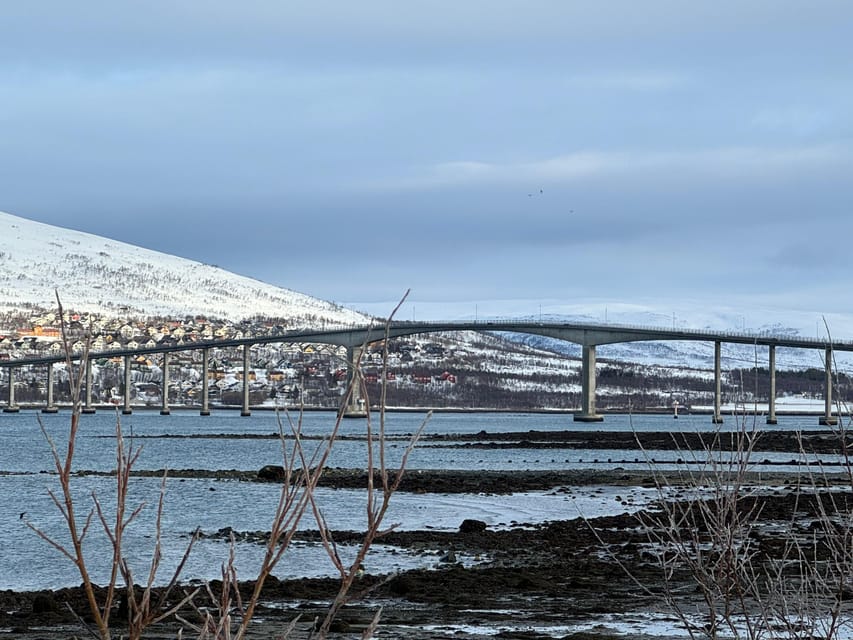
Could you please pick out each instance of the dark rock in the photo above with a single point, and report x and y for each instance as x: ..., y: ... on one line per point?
x: 336, y: 626
x: 469, y: 525
x: 340, y: 626
x: 271, y: 473
x: 400, y: 585
x: 45, y: 603
x: 124, y: 607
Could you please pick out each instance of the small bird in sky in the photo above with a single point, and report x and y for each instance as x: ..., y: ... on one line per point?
x: 21, y: 517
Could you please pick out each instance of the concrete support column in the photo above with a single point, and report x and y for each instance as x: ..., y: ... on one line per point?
x: 126, y: 410
x: 355, y: 407
x: 164, y: 409
x: 87, y: 401
x: 717, y: 418
x: 11, y: 407
x: 828, y: 418
x: 771, y: 400
x: 587, y: 413
x: 205, y: 382
x: 245, y: 410
x: 50, y: 407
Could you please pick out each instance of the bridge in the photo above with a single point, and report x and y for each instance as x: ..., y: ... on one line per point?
x: 356, y: 338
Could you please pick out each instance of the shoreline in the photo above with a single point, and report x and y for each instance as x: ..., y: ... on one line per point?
x: 726, y: 411
x: 527, y: 576
x: 521, y: 580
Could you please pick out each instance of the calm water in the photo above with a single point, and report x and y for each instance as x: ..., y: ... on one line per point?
x: 26, y: 465
x: 23, y: 447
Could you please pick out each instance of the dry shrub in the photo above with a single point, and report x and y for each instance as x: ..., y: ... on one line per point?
x: 228, y: 616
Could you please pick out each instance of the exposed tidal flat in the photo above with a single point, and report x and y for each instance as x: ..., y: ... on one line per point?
x: 528, y: 477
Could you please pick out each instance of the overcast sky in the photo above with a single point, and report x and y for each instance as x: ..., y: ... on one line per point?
x: 494, y: 155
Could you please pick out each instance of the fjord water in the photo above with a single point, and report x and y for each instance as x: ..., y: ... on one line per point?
x: 226, y: 440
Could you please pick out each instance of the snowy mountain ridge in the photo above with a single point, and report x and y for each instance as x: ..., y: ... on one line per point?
x: 96, y: 274
x: 689, y: 354
x: 113, y: 278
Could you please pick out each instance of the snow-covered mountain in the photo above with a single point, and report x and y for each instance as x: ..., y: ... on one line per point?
x: 96, y: 274
x: 692, y: 354
x: 689, y: 354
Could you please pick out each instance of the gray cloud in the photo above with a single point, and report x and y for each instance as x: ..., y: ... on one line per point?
x: 352, y: 151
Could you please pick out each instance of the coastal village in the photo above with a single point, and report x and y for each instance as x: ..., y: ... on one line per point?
x: 290, y: 374
x: 438, y: 371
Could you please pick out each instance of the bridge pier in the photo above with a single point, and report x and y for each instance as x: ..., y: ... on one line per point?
x: 11, y: 407
x: 717, y: 418
x: 126, y: 410
x: 355, y: 407
x: 87, y: 402
x: 827, y: 418
x: 771, y: 400
x: 164, y: 405
x: 50, y: 407
x: 205, y: 389
x: 587, y: 413
x: 245, y: 409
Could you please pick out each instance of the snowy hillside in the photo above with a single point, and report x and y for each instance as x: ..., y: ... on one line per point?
x: 105, y: 276
x: 689, y: 354
x: 693, y: 354
x: 113, y: 278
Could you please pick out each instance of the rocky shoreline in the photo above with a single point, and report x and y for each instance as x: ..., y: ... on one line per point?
x: 530, y: 580
x: 530, y: 572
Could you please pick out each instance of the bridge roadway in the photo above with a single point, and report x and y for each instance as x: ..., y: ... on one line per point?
x: 354, y: 338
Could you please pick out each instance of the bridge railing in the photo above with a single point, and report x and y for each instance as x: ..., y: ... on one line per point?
x: 715, y: 334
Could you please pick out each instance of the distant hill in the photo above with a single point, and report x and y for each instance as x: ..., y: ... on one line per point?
x: 96, y: 274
